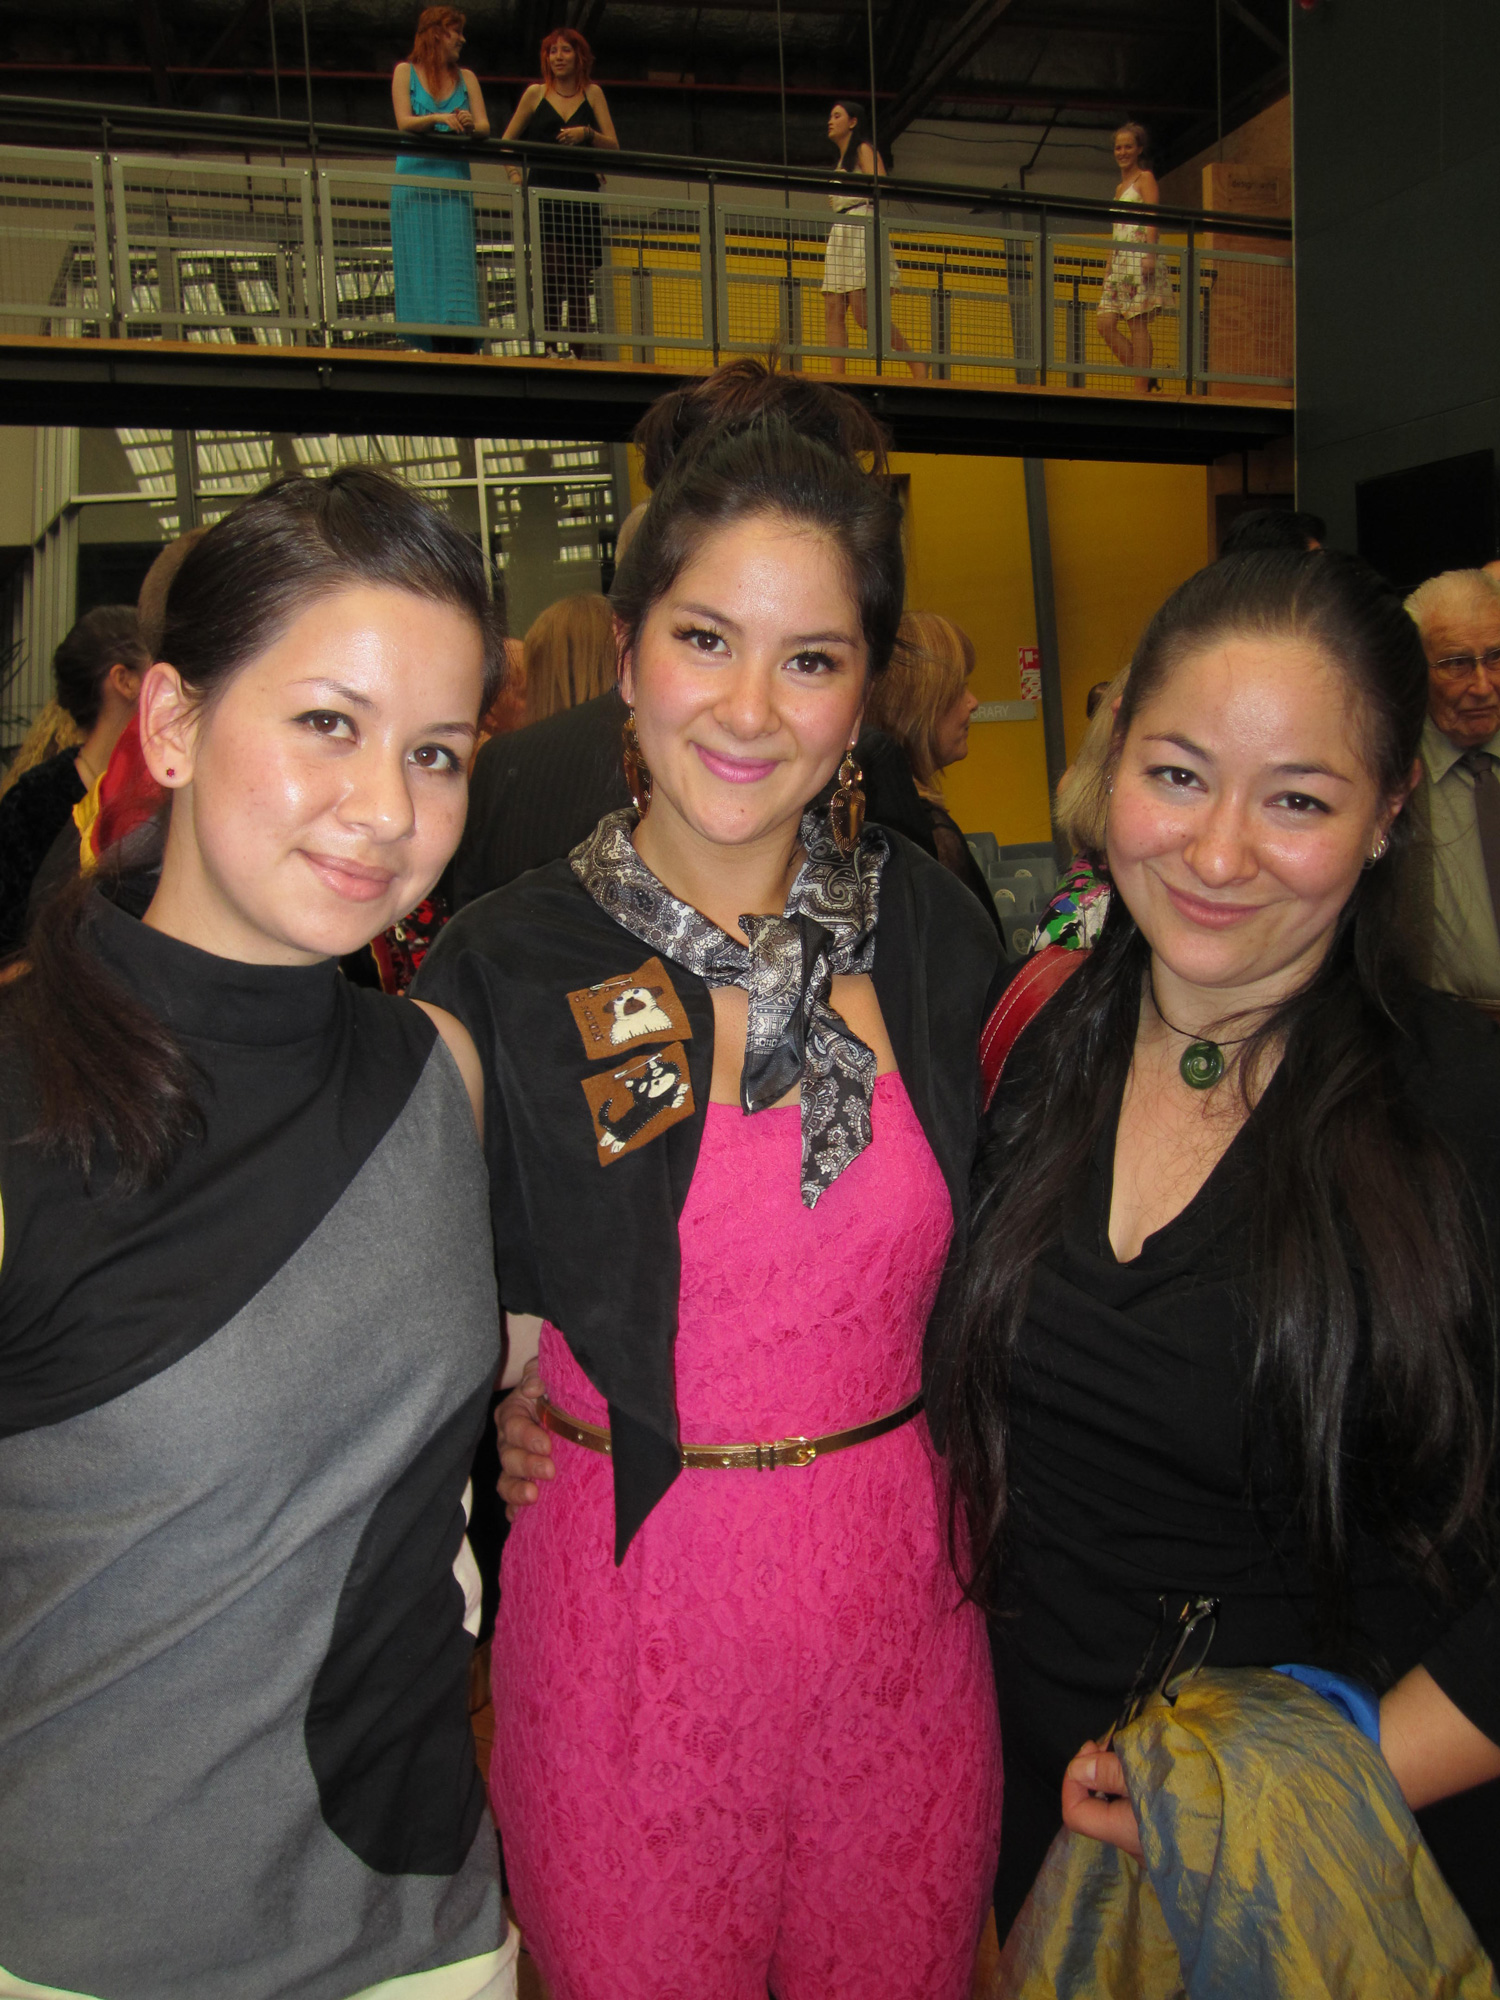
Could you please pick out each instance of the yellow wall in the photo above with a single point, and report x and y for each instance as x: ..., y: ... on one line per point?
x: 968, y: 557
x: 1123, y: 537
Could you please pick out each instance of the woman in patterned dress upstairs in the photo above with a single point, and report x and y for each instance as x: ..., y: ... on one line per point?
x: 1137, y: 283
x: 566, y: 108
x: 744, y: 1721
x: 432, y: 230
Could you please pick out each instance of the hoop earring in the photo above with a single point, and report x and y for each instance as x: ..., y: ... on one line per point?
x: 1379, y: 853
x: 637, y: 774
x: 846, y: 809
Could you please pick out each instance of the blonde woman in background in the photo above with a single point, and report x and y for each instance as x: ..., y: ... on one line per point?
x: 1075, y: 916
x: 569, y: 655
x: 1137, y: 283
x: 924, y: 702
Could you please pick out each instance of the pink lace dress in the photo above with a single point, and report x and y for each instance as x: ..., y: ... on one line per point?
x: 764, y: 1750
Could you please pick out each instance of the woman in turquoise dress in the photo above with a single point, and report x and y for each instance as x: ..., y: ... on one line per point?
x: 432, y: 231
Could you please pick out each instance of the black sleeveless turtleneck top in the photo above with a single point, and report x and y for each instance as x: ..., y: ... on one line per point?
x: 542, y: 127
x: 237, y: 1413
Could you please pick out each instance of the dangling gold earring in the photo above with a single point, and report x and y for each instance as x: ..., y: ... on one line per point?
x: 846, y: 809
x: 637, y: 775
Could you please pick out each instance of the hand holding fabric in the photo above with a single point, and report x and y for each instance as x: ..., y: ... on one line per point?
x: 1094, y: 1800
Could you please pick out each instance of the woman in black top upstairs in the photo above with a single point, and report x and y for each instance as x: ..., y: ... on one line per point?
x: 97, y: 670
x: 567, y: 108
x: 1230, y: 1320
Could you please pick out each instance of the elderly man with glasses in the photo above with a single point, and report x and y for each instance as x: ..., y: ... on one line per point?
x: 1454, y: 881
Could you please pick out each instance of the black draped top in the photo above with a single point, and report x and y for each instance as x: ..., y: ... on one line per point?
x: 1130, y: 1474
x: 594, y: 1248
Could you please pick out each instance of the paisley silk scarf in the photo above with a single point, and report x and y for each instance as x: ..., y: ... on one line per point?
x: 787, y: 968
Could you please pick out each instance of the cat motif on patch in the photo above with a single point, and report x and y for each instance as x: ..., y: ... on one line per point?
x: 633, y: 1105
x: 639, y: 1006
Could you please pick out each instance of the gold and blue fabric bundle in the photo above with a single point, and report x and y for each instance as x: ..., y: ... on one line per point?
x: 1280, y: 1863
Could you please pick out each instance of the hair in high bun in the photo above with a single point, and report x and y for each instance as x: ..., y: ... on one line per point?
x: 762, y: 465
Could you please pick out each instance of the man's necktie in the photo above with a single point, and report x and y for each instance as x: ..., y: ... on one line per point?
x: 1487, y: 817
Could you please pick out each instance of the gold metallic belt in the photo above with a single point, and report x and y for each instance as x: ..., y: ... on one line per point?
x: 737, y: 1457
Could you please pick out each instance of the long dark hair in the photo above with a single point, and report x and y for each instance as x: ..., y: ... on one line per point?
x: 1373, y: 1376
x: 108, y: 1073
x: 855, y: 112
x: 764, y: 466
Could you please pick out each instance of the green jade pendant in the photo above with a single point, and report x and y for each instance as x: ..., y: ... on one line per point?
x: 1202, y: 1065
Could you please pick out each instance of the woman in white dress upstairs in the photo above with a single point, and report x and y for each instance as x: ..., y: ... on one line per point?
x: 844, y: 278
x: 1137, y: 283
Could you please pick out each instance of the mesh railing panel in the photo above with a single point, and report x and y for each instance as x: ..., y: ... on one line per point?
x: 54, y: 246
x: 421, y: 259
x: 206, y: 252
x: 1138, y: 289
x: 1246, y: 319
x: 773, y: 266
x: 964, y: 299
x: 620, y: 279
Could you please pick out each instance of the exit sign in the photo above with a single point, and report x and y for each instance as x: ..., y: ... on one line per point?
x: 1031, y: 674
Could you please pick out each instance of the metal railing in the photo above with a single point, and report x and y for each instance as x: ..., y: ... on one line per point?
x: 251, y: 233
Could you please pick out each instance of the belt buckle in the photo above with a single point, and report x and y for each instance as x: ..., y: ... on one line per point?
x: 796, y: 1451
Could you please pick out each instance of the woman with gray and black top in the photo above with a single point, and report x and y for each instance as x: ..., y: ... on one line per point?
x: 248, y: 1327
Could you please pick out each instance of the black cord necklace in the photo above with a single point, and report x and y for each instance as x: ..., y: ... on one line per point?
x: 1202, y: 1062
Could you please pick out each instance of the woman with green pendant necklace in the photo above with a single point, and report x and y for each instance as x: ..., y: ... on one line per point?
x: 1229, y: 1327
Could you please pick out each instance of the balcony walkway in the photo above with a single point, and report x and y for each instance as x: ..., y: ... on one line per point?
x: 195, y: 271
x: 175, y: 384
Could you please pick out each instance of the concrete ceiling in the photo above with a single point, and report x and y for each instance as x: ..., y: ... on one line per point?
x: 695, y: 76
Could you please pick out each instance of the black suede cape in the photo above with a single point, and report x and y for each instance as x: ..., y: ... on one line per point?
x: 594, y: 1249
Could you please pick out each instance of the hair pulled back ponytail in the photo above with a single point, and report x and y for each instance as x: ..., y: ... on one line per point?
x: 116, y: 1094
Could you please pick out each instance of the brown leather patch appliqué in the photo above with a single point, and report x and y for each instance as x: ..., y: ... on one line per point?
x: 639, y: 1006
x: 635, y: 1104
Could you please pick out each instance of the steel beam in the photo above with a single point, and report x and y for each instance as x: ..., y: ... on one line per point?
x: 1044, y: 602
x: 953, y: 52
x: 175, y: 385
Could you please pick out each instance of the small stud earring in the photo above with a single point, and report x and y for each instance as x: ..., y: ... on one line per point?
x: 171, y: 771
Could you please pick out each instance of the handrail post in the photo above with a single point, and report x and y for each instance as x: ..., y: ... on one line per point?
x: 875, y: 294
x: 1042, y: 291
x: 327, y: 280
x: 105, y: 274
x: 712, y: 249
x: 1191, y: 311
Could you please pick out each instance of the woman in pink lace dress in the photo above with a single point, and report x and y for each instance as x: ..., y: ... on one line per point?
x: 745, y: 1721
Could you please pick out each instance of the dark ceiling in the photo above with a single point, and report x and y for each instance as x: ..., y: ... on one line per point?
x: 694, y: 76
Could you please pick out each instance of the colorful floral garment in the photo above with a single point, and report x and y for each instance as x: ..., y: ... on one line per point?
x: 1075, y: 916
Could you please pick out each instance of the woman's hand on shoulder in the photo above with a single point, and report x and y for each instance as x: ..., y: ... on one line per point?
x: 525, y: 1448
x: 1109, y: 1817
x: 460, y: 1045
